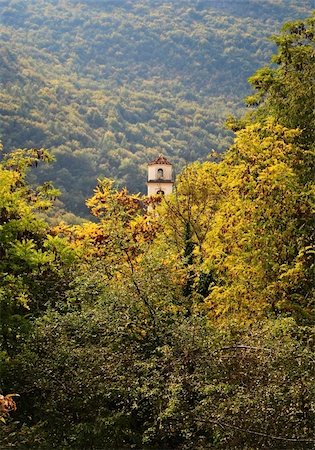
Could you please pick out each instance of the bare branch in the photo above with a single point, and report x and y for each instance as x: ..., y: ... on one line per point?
x: 259, y: 433
x: 246, y: 347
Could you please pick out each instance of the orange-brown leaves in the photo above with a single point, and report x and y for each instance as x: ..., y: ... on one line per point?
x: 7, y: 404
x: 144, y: 229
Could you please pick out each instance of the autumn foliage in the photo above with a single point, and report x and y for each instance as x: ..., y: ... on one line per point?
x: 182, y: 322
x: 7, y: 405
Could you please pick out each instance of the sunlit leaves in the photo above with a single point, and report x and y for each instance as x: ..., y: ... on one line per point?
x: 248, y: 217
x: 287, y: 90
x: 107, y: 201
x: 32, y: 263
x: 258, y: 226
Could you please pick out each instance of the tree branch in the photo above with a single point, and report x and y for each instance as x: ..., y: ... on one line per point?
x: 246, y: 347
x: 259, y: 433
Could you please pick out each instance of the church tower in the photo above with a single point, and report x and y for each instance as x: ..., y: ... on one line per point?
x: 160, y: 177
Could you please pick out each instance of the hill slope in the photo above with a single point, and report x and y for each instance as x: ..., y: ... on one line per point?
x: 108, y: 84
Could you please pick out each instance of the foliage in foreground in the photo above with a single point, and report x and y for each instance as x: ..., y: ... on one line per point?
x: 100, y: 378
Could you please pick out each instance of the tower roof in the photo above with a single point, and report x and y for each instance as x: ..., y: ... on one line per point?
x: 160, y: 160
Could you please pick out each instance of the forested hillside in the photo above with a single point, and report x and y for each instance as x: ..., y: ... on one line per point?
x: 181, y: 322
x: 106, y: 85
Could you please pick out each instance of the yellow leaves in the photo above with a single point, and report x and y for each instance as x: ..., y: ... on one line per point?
x: 61, y: 229
x: 15, y: 289
x: 91, y: 232
x: 249, y: 205
x: 19, y: 202
x: 236, y: 303
x: 8, y: 179
x: 22, y: 299
x: 120, y: 238
x: 130, y: 203
x: 87, y: 240
x: 98, y: 204
x: 144, y: 228
x: 263, y: 144
x: 21, y: 159
x: 107, y: 201
x: 278, y: 176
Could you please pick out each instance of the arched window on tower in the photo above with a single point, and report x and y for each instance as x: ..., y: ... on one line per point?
x: 160, y: 174
x: 160, y: 192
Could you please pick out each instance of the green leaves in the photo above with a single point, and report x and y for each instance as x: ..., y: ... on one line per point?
x: 25, y: 253
x: 183, y: 326
x: 90, y: 380
x: 249, y: 216
x: 32, y: 264
x: 148, y: 76
x: 287, y: 91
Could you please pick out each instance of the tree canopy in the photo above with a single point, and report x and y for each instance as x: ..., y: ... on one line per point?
x: 179, y: 322
x: 106, y: 85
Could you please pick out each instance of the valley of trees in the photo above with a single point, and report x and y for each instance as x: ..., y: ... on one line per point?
x: 106, y: 85
x: 188, y: 325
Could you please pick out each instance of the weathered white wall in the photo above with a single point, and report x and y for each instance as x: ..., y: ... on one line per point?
x: 153, y: 172
x: 154, y: 187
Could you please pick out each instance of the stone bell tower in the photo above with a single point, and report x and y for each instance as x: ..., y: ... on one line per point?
x: 160, y: 177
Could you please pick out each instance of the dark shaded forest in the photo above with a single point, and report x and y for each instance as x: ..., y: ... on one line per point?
x: 105, y: 85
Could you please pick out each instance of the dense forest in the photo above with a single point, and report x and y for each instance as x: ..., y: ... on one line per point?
x: 177, y: 322
x: 105, y: 85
